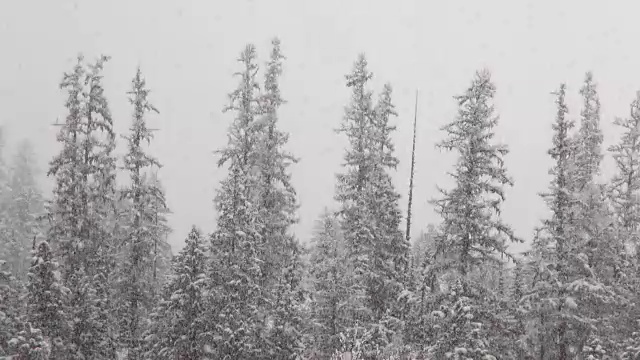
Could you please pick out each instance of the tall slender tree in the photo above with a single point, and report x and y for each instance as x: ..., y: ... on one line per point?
x: 45, y: 299
x: 26, y: 204
x: 352, y: 192
x: 327, y: 271
x: 80, y: 213
x: 178, y: 327
x: 473, y: 234
x: 139, y: 244
x: 413, y: 165
x: 12, y: 248
x: 625, y: 185
x: 277, y: 209
x: 470, y: 211
x: 236, y: 296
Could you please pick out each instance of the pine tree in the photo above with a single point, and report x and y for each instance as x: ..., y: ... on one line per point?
x: 623, y: 326
x: 178, y: 331
x: 369, y: 213
x: 472, y: 228
x: 277, y: 211
x: 461, y: 332
x: 551, y: 248
x: 45, y: 299
x: 625, y: 185
x: 391, y: 248
x: 473, y: 235
x: 12, y: 249
x: 236, y: 296
x: 565, y: 287
x: 80, y: 214
x: 30, y: 345
x: 327, y: 271
x: 589, y: 137
x: 139, y: 242
x: 10, y: 307
x: 160, y: 231
x: 26, y: 204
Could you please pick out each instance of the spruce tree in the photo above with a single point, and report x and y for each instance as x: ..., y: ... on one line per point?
x: 277, y: 211
x: 625, y: 185
x: 473, y: 235
x: 565, y: 289
x: 80, y: 213
x: 179, y: 319
x: 159, y: 233
x: 470, y: 211
x: 10, y: 307
x: 236, y: 296
x: 12, y: 247
x: 26, y: 203
x: 624, y: 197
x: 139, y: 243
x: 327, y: 271
x: 45, y: 299
x: 354, y: 193
x: 31, y: 345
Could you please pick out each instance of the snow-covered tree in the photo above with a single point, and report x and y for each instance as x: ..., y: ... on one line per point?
x: 46, y: 297
x: 461, y: 332
x: 12, y: 248
x: 277, y: 211
x: 26, y: 204
x: 160, y: 231
x: 625, y: 185
x: 327, y: 270
x: 473, y: 238
x: 472, y: 228
x: 138, y: 245
x: 10, y: 307
x: 565, y: 289
x: 29, y: 344
x: 588, y: 140
x: 376, y: 249
x: 80, y: 213
x: 352, y: 190
x: 236, y: 244
x: 179, y: 321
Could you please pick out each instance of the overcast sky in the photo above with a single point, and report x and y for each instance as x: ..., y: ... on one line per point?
x: 187, y: 51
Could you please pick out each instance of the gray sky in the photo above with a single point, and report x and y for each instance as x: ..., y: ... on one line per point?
x: 187, y: 51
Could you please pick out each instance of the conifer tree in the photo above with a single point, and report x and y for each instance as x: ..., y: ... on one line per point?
x: 179, y: 321
x: 589, y: 137
x: 376, y: 249
x: 277, y: 211
x: 45, y: 299
x: 79, y: 215
x: 12, y: 248
x: 327, y: 271
x: 160, y: 231
x: 139, y: 243
x: 236, y: 296
x: 461, y: 333
x: 31, y: 345
x: 565, y: 288
x: 10, y: 307
x: 625, y: 185
x: 473, y: 235
x: 470, y: 211
x: 26, y: 204
x: 551, y: 247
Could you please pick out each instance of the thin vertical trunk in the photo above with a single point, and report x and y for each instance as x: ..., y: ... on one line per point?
x: 413, y: 164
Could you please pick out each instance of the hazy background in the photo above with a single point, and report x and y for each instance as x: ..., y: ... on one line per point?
x: 188, y: 50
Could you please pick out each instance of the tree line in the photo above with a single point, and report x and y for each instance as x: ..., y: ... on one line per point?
x: 87, y: 273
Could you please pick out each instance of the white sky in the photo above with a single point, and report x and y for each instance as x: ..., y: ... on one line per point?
x: 187, y: 51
